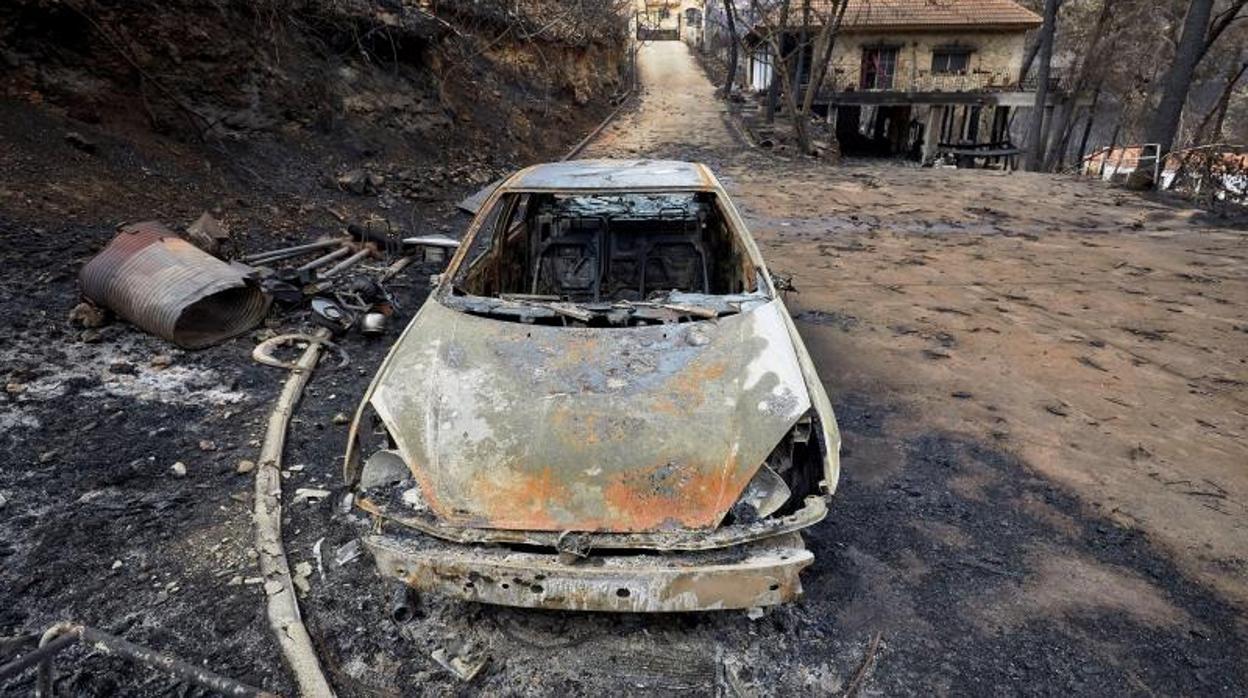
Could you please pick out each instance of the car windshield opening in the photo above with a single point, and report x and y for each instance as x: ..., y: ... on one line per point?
x: 605, y: 259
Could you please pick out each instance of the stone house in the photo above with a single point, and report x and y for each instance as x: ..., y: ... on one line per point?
x: 909, y: 76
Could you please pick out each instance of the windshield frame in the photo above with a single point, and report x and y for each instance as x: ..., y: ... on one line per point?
x: 494, y: 209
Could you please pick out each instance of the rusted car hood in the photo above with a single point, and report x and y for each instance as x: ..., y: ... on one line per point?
x: 517, y: 426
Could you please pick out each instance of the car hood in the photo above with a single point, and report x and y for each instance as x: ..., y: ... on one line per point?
x: 532, y: 427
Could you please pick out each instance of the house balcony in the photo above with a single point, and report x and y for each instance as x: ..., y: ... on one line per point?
x: 926, y: 87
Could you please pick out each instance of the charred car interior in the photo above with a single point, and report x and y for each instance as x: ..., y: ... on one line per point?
x: 603, y: 405
x: 620, y: 256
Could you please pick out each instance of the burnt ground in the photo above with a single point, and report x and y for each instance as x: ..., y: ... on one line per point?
x: 1025, y: 419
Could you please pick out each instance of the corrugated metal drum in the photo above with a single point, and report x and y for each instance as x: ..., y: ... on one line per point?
x: 167, y: 286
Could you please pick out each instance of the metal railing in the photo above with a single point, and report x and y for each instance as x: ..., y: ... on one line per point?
x: 927, y: 81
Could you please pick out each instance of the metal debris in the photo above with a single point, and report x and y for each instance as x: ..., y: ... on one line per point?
x: 402, y: 604
x: 464, y: 666
x: 64, y: 635
x: 311, y: 495
x: 348, y: 552
x: 165, y: 285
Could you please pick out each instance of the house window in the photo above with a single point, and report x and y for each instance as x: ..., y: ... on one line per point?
x: 951, y: 61
x: 879, y: 65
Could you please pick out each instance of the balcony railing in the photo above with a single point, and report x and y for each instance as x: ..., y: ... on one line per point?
x: 927, y: 81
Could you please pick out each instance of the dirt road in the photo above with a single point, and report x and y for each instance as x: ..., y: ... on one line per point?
x: 1044, y: 392
x: 1040, y: 381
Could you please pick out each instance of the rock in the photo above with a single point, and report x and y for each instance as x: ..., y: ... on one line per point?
x: 341, y: 418
x: 3, y: 500
x: 15, y: 388
x: 161, y: 361
x: 755, y: 613
x: 80, y: 142
x: 87, y: 315
x: 303, y: 570
x: 360, y: 182
x: 207, y: 233
x: 245, y: 466
x: 117, y: 564
x: 178, y: 469
x: 123, y: 368
x: 206, y: 445
x: 235, y: 581
x: 47, y: 456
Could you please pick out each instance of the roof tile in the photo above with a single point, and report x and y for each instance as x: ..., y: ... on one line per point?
x: 895, y: 14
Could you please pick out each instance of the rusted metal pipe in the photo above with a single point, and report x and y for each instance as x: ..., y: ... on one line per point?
x: 285, y: 252
x: 347, y: 263
x: 167, y: 286
x: 62, y: 635
x: 326, y: 258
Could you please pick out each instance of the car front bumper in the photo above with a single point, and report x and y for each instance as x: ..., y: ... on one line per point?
x: 760, y: 573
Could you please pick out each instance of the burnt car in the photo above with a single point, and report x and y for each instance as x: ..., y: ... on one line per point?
x: 603, y: 405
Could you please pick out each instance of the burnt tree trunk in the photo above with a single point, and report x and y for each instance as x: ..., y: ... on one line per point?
x: 730, y: 13
x: 1059, y: 145
x: 1217, y: 115
x: 1164, y: 125
x: 803, y: 38
x: 825, y: 45
x: 779, y: 57
x: 1087, y: 126
x: 1035, y: 133
x: 1029, y: 59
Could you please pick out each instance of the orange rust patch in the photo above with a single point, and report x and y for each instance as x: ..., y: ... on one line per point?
x: 578, y: 351
x: 688, y: 387
x: 692, y: 495
x: 516, y: 499
x: 665, y: 405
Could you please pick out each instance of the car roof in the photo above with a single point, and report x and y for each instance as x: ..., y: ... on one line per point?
x: 612, y: 175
